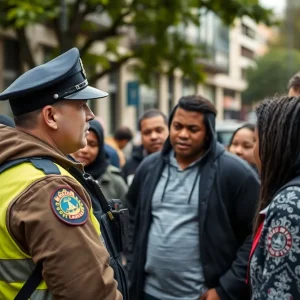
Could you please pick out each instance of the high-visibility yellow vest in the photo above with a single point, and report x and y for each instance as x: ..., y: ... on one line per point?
x: 15, y: 265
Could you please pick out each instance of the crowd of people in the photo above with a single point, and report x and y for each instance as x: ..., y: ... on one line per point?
x: 205, y: 222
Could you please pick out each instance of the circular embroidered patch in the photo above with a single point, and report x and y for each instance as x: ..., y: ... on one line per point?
x: 279, y: 241
x: 68, y: 206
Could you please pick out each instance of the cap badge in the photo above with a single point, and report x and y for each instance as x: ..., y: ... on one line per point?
x: 82, y: 68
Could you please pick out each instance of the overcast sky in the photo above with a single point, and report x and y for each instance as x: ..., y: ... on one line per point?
x: 277, y: 5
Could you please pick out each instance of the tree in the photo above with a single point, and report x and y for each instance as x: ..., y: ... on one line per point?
x: 150, y: 25
x: 271, y: 75
x: 289, y: 29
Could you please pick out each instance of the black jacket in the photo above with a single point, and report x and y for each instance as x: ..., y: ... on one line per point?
x: 227, y: 203
x: 132, y: 163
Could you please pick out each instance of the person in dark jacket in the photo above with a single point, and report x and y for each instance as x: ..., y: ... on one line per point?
x: 153, y: 126
x: 275, y: 255
x: 96, y: 163
x: 191, y: 210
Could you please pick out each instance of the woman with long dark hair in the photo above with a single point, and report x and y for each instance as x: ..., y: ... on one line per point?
x: 275, y: 255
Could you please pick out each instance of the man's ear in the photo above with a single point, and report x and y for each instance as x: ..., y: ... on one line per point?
x: 50, y: 116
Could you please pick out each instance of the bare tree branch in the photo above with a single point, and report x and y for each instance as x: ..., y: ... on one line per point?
x: 57, y: 31
x: 102, y: 35
x: 90, y: 9
x: 115, y: 66
x: 26, y: 53
x: 65, y: 39
x: 76, y: 13
x: 77, y: 18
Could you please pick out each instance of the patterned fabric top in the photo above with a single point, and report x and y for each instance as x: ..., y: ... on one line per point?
x: 275, y: 264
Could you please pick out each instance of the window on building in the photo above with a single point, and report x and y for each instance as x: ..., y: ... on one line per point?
x: 222, y: 59
x: 229, y: 93
x: 214, y: 39
x: 244, y: 73
x: 247, y: 52
x: 231, y: 104
x: 148, y: 96
x: 248, y: 31
x: 209, y: 92
x: 188, y: 88
x: 12, y: 61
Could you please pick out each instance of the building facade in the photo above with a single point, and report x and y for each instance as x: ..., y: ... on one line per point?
x: 230, y: 51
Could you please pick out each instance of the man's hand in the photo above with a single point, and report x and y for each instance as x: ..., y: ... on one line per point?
x: 210, y: 295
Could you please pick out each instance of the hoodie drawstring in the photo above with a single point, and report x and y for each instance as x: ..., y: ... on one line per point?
x: 167, y: 182
x: 194, y: 184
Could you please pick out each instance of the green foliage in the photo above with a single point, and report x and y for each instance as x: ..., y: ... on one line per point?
x: 289, y: 29
x: 20, y: 13
x: 238, y: 8
x: 150, y: 24
x: 271, y: 75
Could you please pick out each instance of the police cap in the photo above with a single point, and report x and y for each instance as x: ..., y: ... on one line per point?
x: 61, y: 78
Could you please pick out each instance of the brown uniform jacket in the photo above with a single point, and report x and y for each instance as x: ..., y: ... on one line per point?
x: 75, y: 261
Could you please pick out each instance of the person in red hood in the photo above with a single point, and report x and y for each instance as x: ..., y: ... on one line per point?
x: 46, y: 216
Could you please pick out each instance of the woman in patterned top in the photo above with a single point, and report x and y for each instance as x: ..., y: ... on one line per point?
x: 275, y: 254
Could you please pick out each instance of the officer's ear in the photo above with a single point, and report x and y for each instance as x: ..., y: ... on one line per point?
x: 49, y: 113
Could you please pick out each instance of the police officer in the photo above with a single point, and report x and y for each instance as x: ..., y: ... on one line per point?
x: 46, y: 215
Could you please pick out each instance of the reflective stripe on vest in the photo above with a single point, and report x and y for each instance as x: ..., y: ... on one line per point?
x: 37, y: 294
x: 15, y: 265
x: 41, y: 295
x: 15, y: 270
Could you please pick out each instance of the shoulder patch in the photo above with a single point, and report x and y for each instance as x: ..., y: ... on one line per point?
x: 68, y: 207
x: 279, y: 241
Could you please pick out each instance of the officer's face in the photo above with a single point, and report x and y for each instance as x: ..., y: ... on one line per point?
x: 72, y: 117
